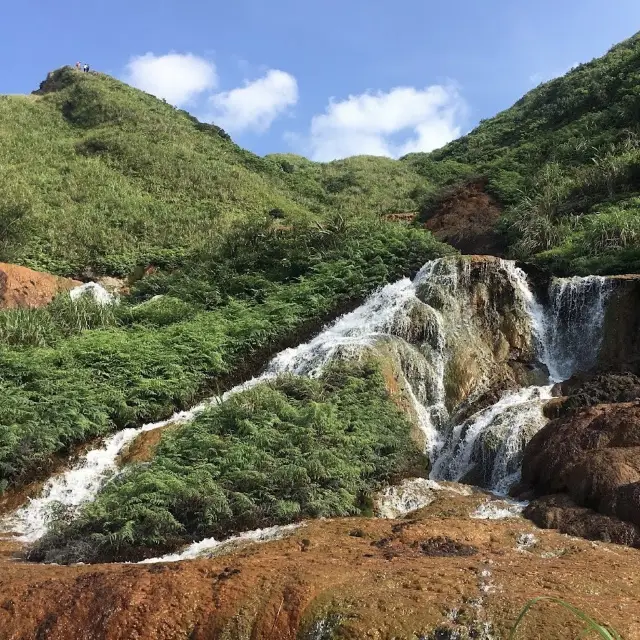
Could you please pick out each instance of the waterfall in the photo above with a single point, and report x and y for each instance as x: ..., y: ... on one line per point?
x: 381, y: 314
x: 574, y: 323
x: 503, y: 430
x: 428, y: 315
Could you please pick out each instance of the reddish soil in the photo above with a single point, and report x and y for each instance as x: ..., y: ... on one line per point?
x: 143, y: 448
x: 466, y: 219
x: 21, y: 287
x: 371, y: 578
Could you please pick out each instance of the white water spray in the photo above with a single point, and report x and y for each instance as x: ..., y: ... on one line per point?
x: 574, y: 323
x: 388, y: 314
x: 510, y: 422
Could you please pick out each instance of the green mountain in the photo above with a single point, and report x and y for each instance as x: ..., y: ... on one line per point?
x: 252, y: 255
x: 564, y: 163
x: 98, y: 177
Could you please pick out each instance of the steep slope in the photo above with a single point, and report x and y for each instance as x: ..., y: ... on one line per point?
x: 100, y: 177
x: 564, y: 163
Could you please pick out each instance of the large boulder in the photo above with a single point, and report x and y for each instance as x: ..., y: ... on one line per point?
x: 592, y: 457
x: 21, y: 287
x: 486, y: 325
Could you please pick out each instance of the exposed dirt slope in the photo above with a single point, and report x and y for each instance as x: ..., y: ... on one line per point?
x: 370, y: 578
x: 466, y: 218
x: 22, y: 287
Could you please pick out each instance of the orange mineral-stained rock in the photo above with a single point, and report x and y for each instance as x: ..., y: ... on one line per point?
x: 436, y: 569
x: 21, y: 287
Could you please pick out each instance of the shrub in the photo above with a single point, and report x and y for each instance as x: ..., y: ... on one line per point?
x: 283, y: 451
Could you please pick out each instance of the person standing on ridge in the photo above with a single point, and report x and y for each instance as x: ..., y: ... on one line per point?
x: 86, y: 68
x: 78, y: 66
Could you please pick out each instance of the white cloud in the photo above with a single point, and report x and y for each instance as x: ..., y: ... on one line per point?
x: 177, y: 77
x: 256, y: 105
x: 401, y: 121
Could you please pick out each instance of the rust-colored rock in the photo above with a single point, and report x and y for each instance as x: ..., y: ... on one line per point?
x: 21, y: 287
x: 593, y: 456
x: 402, y: 217
x: 363, y: 578
x: 562, y: 513
x: 143, y: 448
x: 466, y: 218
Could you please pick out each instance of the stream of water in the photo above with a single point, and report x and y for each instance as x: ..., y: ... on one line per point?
x: 567, y: 334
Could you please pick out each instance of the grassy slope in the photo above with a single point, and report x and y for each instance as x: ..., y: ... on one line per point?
x: 99, y: 176
x: 102, y: 176
x: 291, y: 449
x: 565, y: 161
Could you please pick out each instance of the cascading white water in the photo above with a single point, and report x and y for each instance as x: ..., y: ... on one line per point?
x: 574, y: 323
x: 82, y: 482
x: 511, y: 422
x: 568, y: 335
x: 388, y: 314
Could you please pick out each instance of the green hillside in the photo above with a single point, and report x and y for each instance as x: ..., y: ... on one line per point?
x: 255, y: 254
x: 564, y: 161
x: 98, y: 177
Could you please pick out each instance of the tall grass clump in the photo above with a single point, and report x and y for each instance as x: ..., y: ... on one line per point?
x: 591, y: 627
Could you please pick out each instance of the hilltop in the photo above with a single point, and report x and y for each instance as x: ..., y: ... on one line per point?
x: 99, y: 177
x: 563, y: 164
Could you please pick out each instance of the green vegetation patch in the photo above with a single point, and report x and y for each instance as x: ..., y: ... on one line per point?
x: 564, y: 162
x: 287, y: 450
x: 70, y: 372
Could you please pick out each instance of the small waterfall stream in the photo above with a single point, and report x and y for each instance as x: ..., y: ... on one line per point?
x: 567, y: 335
x: 574, y: 323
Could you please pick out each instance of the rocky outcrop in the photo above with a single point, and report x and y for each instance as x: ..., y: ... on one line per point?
x: 435, y: 574
x: 587, y: 462
x: 21, y: 287
x: 486, y: 324
x: 620, y: 350
x: 466, y: 218
x: 586, y: 390
x: 562, y: 513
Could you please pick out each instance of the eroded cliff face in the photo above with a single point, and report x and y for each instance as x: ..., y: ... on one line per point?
x: 466, y: 217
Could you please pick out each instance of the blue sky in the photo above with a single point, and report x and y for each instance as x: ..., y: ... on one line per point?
x: 326, y: 78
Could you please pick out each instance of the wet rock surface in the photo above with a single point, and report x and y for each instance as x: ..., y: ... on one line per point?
x: 586, y: 461
x: 432, y: 572
x: 585, y: 390
x: 620, y: 350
